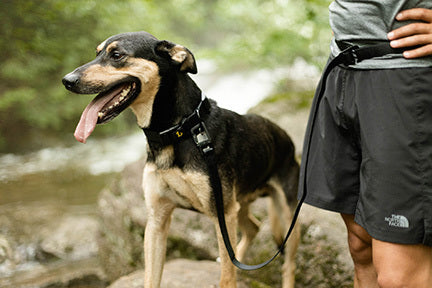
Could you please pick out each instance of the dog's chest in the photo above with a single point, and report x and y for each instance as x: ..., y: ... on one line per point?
x: 188, y: 189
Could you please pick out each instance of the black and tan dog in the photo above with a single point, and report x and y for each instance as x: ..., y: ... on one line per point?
x: 254, y: 157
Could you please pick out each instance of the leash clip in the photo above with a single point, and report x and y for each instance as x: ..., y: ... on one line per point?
x: 201, y: 138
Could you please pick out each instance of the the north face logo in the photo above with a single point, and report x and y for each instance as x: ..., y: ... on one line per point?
x: 397, y: 221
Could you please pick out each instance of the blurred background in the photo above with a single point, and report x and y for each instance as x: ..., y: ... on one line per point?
x: 247, y: 51
x: 43, y: 40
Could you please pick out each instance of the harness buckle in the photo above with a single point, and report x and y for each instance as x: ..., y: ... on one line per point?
x: 201, y: 138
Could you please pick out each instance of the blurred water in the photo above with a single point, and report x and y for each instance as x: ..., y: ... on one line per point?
x: 95, y: 157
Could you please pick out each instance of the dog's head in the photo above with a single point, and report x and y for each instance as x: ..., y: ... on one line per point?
x: 126, y: 72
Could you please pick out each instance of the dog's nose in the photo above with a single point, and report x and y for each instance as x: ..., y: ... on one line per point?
x: 70, y: 81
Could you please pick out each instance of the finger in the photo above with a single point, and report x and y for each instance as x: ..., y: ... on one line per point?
x: 415, y: 14
x: 419, y: 52
x: 410, y: 29
x: 411, y: 41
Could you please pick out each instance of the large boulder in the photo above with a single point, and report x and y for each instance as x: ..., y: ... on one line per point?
x: 43, y: 244
x: 180, y: 273
x: 122, y: 221
x: 71, y: 238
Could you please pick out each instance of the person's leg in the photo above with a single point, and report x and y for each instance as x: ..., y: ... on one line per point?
x: 387, y: 265
x: 360, y: 245
x: 397, y: 265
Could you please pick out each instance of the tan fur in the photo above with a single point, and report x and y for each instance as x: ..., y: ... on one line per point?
x: 280, y: 216
x: 187, y: 189
x: 100, y: 47
x: 111, y: 46
x: 179, y: 54
x: 146, y: 71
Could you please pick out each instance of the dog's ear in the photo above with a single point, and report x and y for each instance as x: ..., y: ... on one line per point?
x: 178, y: 54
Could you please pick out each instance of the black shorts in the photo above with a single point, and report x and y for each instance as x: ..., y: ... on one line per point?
x: 371, y: 152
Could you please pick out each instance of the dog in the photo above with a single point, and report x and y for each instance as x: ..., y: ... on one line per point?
x: 255, y: 157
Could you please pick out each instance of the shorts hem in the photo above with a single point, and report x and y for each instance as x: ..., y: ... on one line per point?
x: 393, y: 237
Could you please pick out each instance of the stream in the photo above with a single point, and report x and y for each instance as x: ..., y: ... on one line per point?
x: 67, y: 180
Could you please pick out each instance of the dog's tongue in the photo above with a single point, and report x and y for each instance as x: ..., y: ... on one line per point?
x: 89, y: 117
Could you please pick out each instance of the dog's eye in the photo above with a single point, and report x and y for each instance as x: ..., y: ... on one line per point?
x: 117, y: 55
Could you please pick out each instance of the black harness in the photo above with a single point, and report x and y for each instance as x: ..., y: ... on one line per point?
x: 193, y: 126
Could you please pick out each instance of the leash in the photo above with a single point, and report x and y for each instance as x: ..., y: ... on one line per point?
x: 195, y: 127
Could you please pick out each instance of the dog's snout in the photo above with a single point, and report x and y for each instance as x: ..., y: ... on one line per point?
x: 70, y: 81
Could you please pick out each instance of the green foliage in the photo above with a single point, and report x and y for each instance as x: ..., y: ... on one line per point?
x: 296, y: 97
x: 271, y: 33
x: 42, y: 40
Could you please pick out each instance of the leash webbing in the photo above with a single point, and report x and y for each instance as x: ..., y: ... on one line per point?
x: 201, y: 137
x: 349, y: 56
x: 203, y: 142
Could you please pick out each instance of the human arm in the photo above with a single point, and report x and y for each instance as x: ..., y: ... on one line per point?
x: 414, y: 34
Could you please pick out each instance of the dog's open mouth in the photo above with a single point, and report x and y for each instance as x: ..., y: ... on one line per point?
x: 104, y: 107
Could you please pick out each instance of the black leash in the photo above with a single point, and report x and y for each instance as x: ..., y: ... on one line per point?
x: 194, y: 126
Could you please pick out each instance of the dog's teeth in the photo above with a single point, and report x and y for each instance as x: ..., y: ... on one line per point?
x: 125, y: 91
x: 116, y: 103
x: 101, y: 114
x: 121, y: 98
x: 110, y: 107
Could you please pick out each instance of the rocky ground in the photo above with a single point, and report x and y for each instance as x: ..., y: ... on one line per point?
x: 105, y: 248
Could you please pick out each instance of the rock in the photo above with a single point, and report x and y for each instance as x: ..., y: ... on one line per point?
x: 84, y: 273
x: 43, y: 244
x: 180, y: 273
x: 122, y: 220
x: 7, y: 259
x: 43, y: 231
x: 71, y: 237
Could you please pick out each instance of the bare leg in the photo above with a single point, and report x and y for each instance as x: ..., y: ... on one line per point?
x: 398, y: 265
x: 360, y: 245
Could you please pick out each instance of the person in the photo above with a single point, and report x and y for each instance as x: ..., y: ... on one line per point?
x: 370, y: 154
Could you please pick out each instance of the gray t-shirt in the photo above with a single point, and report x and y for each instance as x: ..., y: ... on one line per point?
x: 365, y: 22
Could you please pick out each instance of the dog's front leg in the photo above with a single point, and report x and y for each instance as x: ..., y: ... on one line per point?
x: 155, y: 238
x: 228, y: 270
x: 159, y: 210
